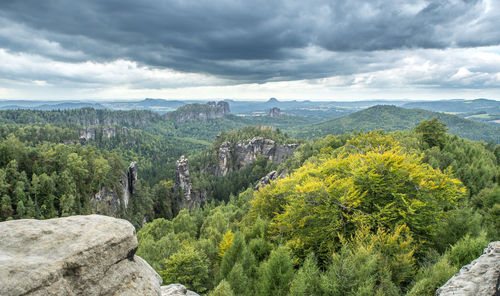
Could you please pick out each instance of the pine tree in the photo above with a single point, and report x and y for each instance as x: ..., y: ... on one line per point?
x: 276, y: 273
x: 223, y: 289
x: 239, y: 281
x: 20, y: 210
x: 307, y: 280
x: 6, y: 210
x: 237, y: 252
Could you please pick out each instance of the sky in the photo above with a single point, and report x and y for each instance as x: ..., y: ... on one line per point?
x: 306, y: 50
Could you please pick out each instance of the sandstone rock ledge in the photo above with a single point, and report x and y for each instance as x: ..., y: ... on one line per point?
x: 79, y: 255
x: 176, y: 290
x: 480, y: 278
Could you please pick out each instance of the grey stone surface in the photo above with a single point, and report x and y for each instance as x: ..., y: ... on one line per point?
x: 176, y: 290
x: 190, y: 199
x: 479, y: 278
x: 78, y: 255
x: 266, y: 180
x: 244, y: 152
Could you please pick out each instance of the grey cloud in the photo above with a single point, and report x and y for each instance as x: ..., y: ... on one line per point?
x: 247, y: 41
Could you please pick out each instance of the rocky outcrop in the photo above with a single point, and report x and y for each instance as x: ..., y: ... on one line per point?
x: 78, y: 255
x: 271, y: 176
x: 275, y: 112
x: 189, y: 198
x: 232, y: 158
x: 192, y: 112
x: 88, y: 133
x: 176, y: 290
x: 111, y: 201
x: 224, y: 158
x: 132, y: 176
x: 480, y: 277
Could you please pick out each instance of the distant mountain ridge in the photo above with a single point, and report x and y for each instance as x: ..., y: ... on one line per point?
x: 392, y: 118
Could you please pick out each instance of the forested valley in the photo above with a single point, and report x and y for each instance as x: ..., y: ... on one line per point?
x: 369, y: 204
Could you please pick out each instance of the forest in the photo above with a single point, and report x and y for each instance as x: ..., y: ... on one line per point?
x: 362, y: 214
x: 393, y: 212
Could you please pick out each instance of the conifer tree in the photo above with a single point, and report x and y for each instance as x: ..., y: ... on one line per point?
x: 223, y: 289
x: 276, y: 273
x: 307, y: 280
x: 239, y: 281
x: 6, y: 210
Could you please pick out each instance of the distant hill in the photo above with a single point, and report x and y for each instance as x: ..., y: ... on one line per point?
x: 456, y: 106
x: 392, y: 118
x: 483, y: 110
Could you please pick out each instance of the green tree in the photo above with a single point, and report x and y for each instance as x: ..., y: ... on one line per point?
x: 307, y: 281
x: 240, y: 283
x: 67, y: 205
x: 165, y: 204
x: 6, y: 208
x: 432, y: 131
x: 222, y: 289
x: 185, y: 223
x: 237, y: 252
x: 431, y: 278
x: 188, y: 266
x: 276, y: 273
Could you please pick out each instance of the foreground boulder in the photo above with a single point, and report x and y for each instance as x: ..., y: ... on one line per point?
x: 79, y: 255
x: 480, y: 277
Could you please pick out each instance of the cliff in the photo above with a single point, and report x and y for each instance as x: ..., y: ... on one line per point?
x: 233, y: 157
x: 190, y: 199
x: 92, y: 132
x: 192, y: 112
x: 111, y: 201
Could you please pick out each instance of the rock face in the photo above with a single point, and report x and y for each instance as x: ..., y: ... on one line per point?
x: 109, y: 201
x: 88, y: 133
x: 266, y: 180
x: 189, y: 199
x: 243, y: 153
x: 78, y: 255
x: 192, y: 112
x: 275, y: 112
x: 132, y: 176
x: 480, y: 277
x: 176, y: 290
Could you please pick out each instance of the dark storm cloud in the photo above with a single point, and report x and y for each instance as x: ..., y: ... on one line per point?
x: 252, y: 41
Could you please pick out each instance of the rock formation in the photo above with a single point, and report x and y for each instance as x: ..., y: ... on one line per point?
x: 480, y: 277
x: 109, y: 201
x: 88, y: 133
x: 176, y: 290
x: 275, y: 112
x: 243, y: 153
x: 189, y: 199
x: 78, y: 255
x: 192, y: 112
x: 132, y: 176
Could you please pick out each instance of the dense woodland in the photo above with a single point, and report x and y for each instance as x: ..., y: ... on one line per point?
x: 384, y: 213
x: 362, y: 214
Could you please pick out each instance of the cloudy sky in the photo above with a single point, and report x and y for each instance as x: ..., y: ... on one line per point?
x: 315, y: 49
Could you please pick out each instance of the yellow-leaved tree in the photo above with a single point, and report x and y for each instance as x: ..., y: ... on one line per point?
x: 371, y: 182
